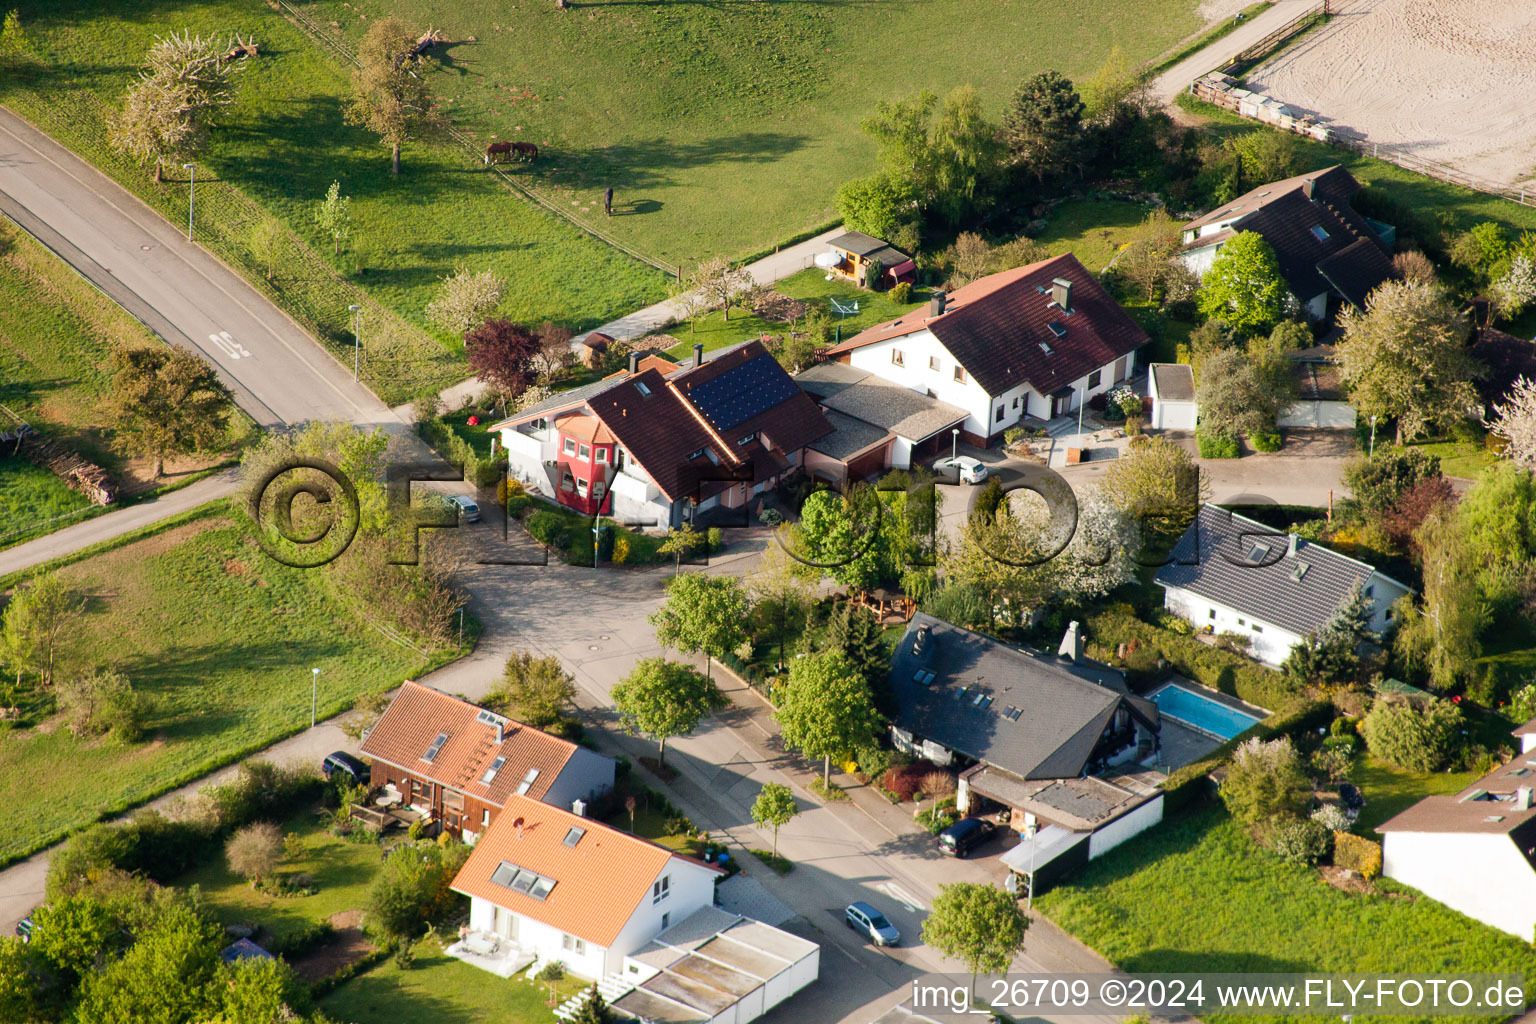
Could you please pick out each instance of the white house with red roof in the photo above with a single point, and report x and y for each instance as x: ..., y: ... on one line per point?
x: 1035, y: 341
x: 655, y: 443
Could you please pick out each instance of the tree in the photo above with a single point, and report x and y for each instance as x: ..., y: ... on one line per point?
x: 534, y: 690
x: 554, y: 352
x: 464, y: 300
x: 1405, y: 358
x: 1265, y: 779
x: 255, y: 851
x: 594, y: 1009
x: 682, y: 541
x: 1413, y: 737
x: 1496, y: 522
x: 880, y: 204
x: 14, y: 45
x: 171, y: 973
x: 1244, y: 286
x: 1412, y: 265
x: 1407, y: 514
x: 1237, y: 399
x: 269, y: 244
x: 100, y: 702
x: 412, y: 889
x: 1514, y: 419
x: 854, y: 630
x: 390, y: 96
x: 979, y: 925
x: 1483, y: 249
x: 39, y: 619
x: 501, y: 354
x: 334, y: 215
x: 1042, y: 127
x: 1440, y: 632
x: 1265, y: 156
x: 781, y: 591
x: 550, y: 974
x: 938, y: 158
x: 166, y: 114
x: 773, y: 808
x: 1157, y: 484
x: 1119, y: 84
x: 702, y: 615
x: 1378, y: 482
x: 826, y: 708
x: 720, y: 284
x: 262, y: 991
x: 843, y: 535
x: 662, y: 699
x: 966, y: 156
x: 1148, y: 263
x: 1332, y: 655
x: 167, y: 401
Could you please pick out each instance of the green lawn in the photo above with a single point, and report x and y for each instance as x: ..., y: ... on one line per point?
x: 278, y: 149
x: 1389, y: 791
x: 1196, y: 894
x: 1093, y: 229
x: 1458, y: 458
x: 31, y: 496
x: 438, y: 989
x: 726, y: 128
x: 222, y: 640
x: 342, y: 873
x: 809, y: 286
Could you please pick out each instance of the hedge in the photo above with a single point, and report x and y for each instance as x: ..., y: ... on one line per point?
x: 481, y: 471
x: 1357, y: 854
x: 1265, y: 442
x: 1185, y: 784
x: 1215, y: 446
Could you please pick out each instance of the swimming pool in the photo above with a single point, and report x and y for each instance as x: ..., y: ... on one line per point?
x: 1200, y: 712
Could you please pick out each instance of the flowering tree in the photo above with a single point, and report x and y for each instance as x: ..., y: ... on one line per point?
x: 464, y: 300
x: 1516, y: 290
x: 1515, y: 421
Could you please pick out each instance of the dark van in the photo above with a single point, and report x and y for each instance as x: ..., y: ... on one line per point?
x: 353, y: 769
x: 964, y: 836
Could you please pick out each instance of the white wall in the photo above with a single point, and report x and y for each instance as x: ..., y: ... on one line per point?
x: 916, y: 349
x: 540, y: 939
x: 585, y: 775
x: 1316, y: 307
x: 1483, y: 876
x: 1177, y: 415
x: 1124, y: 827
x: 692, y: 888
x: 1385, y: 592
x: 1270, y: 645
x: 1330, y: 415
x: 1200, y: 260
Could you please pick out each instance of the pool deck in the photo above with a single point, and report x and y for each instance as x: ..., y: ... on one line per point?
x: 1181, y: 743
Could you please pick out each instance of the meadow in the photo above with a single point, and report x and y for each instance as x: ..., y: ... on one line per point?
x: 726, y: 128
x: 221, y: 640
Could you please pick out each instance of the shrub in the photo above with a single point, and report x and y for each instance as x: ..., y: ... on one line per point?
x: 1357, y: 853
x: 1299, y: 840
x: 1332, y: 818
x: 255, y: 851
x: 1215, y: 446
x: 545, y: 526
x: 1265, y: 442
x: 904, y: 781
x: 1333, y: 763
x: 715, y: 537
x: 1265, y: 780
x: 1417, y: 740
x: 299, y: 941
x: 901, y: 293
x: 873, y: 761
x: 412, y: 890
x: 1013, y: 435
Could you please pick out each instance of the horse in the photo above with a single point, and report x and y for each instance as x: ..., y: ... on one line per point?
x: 526, y: 151
x: 497, y: 149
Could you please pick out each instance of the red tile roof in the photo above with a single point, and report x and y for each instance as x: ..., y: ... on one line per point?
x: 599, y: 880
x: 419, y: 714
x: 999, y: 328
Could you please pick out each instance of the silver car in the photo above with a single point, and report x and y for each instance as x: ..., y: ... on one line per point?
x: 964, y: 467
x: 469, y: 509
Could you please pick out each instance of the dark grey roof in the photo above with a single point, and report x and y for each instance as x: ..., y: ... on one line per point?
x: 1212, y: 560
x: 871, y: 248
x: 1065, y: 705
x: 862, y: 395
x: 562, y: 400
x: 849, y: 436
x: 1175, y: 382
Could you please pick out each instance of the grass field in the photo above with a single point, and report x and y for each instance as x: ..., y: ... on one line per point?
x: 342, y: 873
x: 221, y: 639
x: 31, y: 497
x: 1093, y: 229
x: 1195, y: 894
x: 438, y: 989
x: 727, y: 127
x: 278, y: 149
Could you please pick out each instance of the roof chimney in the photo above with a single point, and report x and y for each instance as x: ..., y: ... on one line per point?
x: 500, y: 733
x: 634, y: 362
x: 1523, y: 798
x: 1309, y: 186
x: 936, y: 304
x: 1292, y: 543
x: 579, y: 808
x: 698, y: 353
x: 1072, y: 642
x: 1061, y: 294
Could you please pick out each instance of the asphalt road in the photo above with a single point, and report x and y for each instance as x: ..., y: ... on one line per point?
x: 278, y: 373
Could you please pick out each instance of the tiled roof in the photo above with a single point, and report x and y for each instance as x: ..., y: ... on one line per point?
x: 1005, y: 330
x: 1065, y: 705
x: 1300, y: 593
x: 599, y: 879
x: 585, y: 428
x: 864, y: 396
x: 1175, y: 382
x: 1356, y: 270
x: 419, y: 714
x: 1333, y: 183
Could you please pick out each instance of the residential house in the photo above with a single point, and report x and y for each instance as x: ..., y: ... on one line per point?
x: 876, y: 425
x: 460, y: 763
x: 658, y: 442
x: 1232, y: 574
x: 1059, y: 741
x: 1474, y: 851
x: 1034, y: 341
x: 1326, y: 250
x: 866, y: 261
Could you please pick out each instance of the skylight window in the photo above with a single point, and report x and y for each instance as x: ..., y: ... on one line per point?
x: 1045, y: 348
x: 979, y: 698
x: 490, y: 773
x: 1012, y: 714
x: 528, y: 781
x: 1057, y: 328
x: 437, y: 745
x: 490, y: 718
x: 529, y: 883
x: 1257, y: 553
x: 574, y: 835
x: 1494, y: 818
x: 696, y: 453
x: 640, y: 386
x: 1319, y: 234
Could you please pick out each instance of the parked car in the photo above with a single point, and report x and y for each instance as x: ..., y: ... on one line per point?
x: 25, y: 929
x: 872, y: 924
x: 469, y: 509
x: 968, y: 469
x: 355, y: 770
x: 965, y: 835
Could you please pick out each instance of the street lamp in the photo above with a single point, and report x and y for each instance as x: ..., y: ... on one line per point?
x: 357, y: 337
x: 191, y: 195
x: 314, y: 694
x: 1373, y: 437
x: 954, y: 444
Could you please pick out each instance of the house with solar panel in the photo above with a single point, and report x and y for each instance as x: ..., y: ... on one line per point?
x: 659, y: 442
x: 456, y: 764
x: 1035, y: 342
x: 1232, y: 574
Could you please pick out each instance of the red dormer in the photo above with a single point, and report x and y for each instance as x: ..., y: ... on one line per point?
x: 586, y: 455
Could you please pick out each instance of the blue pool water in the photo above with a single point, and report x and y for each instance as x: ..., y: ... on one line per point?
x: 1201, y: 712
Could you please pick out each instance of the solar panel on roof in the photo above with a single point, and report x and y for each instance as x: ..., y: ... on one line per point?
x: 749, y: 390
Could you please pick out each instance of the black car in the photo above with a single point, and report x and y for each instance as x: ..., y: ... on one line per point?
x: 964, y: 836
x: 353, y: 769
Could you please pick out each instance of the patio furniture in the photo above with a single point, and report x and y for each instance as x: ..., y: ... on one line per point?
x: 482, y: 945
